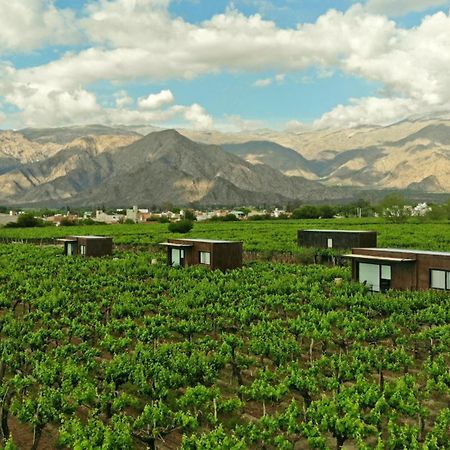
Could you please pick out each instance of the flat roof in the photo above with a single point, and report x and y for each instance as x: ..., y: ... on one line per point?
x: 91, y: 237
x: 340, y: 231
x: 173, y: 244
x: 411, y: 251
x: 66, y: 240
x: 379, y: 258
x: 210, y: 241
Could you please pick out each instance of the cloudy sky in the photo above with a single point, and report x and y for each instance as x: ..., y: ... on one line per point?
x: 222, y: 64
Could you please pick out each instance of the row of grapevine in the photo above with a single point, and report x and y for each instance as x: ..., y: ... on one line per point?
x: 120, y: 354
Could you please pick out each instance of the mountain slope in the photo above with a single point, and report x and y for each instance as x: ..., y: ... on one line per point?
x: 165, y: 166
x: 160, y: 167
x: 64, y: 135
x: 274, y: 155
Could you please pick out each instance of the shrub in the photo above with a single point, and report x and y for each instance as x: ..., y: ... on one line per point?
x: 26, y: 220
x: 182, y: 226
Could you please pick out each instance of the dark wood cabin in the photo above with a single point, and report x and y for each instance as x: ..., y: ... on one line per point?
x: 340, y: 239
x: 388, y: 268
x: 215, y: 254
x: 87, y: 245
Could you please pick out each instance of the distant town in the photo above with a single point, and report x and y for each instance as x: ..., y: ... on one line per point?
x: 394, y: 208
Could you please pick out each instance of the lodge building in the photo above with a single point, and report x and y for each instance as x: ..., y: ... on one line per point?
x: 402, y: 269
x: 87, y: 245
x: 215, y: 254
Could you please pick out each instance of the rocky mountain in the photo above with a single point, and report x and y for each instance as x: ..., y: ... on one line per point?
x: 284, y: 159
x: 65, y: 135
x: 412, y: 154
x: 160, y: 167
x: 117, y: 165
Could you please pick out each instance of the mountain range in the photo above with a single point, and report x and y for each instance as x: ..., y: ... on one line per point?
x: 116, y: 166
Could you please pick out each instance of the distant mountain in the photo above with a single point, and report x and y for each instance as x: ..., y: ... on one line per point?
x: 274, y: 155
x: 408, y: 153
x: 116, y: 165
x: 160, y: 167
x: 64, y: 135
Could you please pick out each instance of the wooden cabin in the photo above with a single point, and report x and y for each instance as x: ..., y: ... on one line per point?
x: 215, y: 254
x: 340, y: 239
x: 87, y: 245
x: 388, y: 268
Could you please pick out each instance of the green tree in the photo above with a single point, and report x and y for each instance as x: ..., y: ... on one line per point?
x: 182, y: 226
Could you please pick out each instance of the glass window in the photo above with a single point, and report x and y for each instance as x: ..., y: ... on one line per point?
x: 330, y: 243
x: 438, y: 279
x: 83, y: 250
x: 369, y: 274
x: 386, y: 272
x: 205, y: 258
x: 176, y: 256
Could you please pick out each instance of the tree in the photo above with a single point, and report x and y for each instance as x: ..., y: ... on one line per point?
x: 189, y: 214
x: 306, y: 212
x: 182, y: 226
x: 26, y: 220
x: 394, y: 208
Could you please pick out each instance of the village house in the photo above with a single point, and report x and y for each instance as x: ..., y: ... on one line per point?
x: 340, y: 239
x: 101, y: 216
x: 215, y: 254
x: 87, y: 245
x: 388, y: 268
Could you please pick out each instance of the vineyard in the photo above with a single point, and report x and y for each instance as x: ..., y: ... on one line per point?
x: 265, y: 236
x: 120, y: 353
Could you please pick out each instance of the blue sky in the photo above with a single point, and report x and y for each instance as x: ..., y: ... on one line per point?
x: 222, y: 64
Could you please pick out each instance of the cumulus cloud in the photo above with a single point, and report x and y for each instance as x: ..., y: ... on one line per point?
x: 263, y: 82
x: 123, y: 99
x: 139, y: 40
x: 26, y: 25
x: 42, y: 105
x: 402, y: 7
x: 367, y: 111
x: 154, y: 101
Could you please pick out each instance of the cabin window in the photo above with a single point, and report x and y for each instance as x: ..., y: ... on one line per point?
x: 82, y: 250
x: 330, y: 243
x: 376, y: 276
x: 176, y: 257
x: 205, y: 258
x: 440, y: 279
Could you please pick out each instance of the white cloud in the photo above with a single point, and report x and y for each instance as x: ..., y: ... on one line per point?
x: 155, y: 101
x: 264, y: 82
x: 369, y: 111
x: 139, y: 40
x: 123, y: 99
x: 26, y: 25
x: 402, y: 7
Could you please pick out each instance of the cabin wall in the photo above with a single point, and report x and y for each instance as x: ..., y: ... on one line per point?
x: 227, y: 256
x: 345, y: 240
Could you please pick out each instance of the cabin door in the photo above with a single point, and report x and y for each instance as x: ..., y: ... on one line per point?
x: 176, y: 257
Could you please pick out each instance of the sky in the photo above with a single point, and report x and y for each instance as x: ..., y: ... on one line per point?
x: 221, y: 64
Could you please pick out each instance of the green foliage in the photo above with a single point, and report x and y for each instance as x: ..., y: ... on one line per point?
x: 182, y: 226
x: 26, y: 220
x: 119, y: 353
x: 189, y: 214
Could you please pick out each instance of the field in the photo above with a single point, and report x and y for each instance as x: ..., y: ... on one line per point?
x: 275, y: 235
x: 120, y: 353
